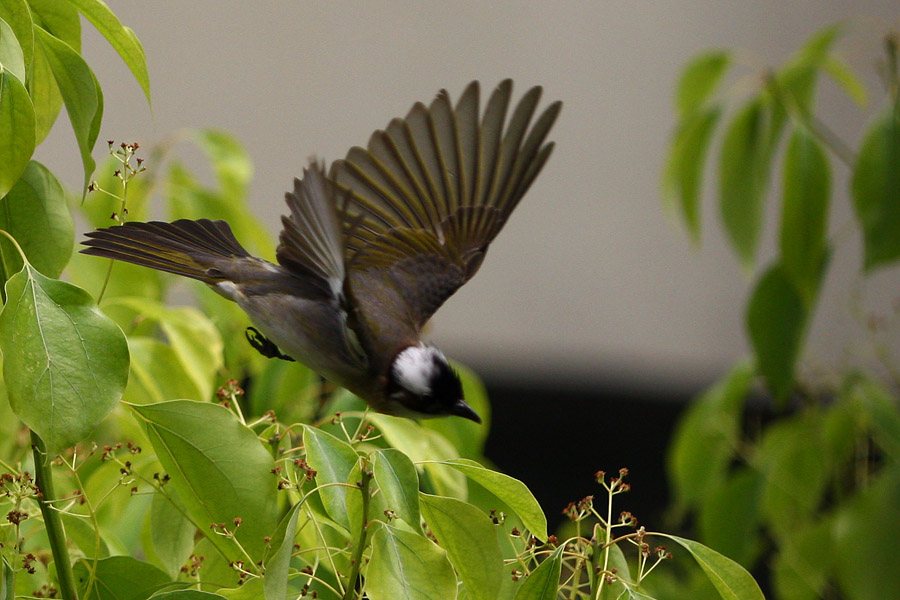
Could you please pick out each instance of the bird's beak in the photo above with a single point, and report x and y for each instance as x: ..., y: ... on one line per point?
x: 461, y: 409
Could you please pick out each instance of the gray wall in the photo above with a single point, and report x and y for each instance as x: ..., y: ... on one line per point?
x: 590, y: 279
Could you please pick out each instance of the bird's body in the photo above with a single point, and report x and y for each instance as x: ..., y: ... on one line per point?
x: 372, y: 249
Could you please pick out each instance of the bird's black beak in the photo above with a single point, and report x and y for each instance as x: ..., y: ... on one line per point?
x: 461, y: 409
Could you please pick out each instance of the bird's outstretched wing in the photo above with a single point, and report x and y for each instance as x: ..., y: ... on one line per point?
x: 429, y: 194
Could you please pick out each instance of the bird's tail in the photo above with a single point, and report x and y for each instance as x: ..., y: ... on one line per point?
x: 200, y: 249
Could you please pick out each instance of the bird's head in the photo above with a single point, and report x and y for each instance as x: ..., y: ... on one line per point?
x: 422, y: 384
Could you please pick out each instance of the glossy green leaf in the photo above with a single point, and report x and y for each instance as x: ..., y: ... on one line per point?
x: 509, y: 490
x: 118, y: 578
x: 16, y: 130
x: 706, y: 438
x: 171, y: 532
x: 187, y: 595
x: 683, y: 175
x: 219, y: 468
x: 804, y: 217
x: 399, y: 484
x: 776, y: 323
x: 876, y: 189
x: 156, y: 374
x: 277, y: 564
x: 61, y: 19
x: 193, y: 338
x: 35, y: 213
x: 543, y: 582
x: 65, y: 362
x: 847, y: 80
x: 467, y: 535
x: 699, y: 80
x: 730, y: 579
x: 333, y: 460
x: 407, y: 566
x: 80, y: 93
x: 743, y: 177
x: 17, y: 15
x: 120, y: 37
x: 11, y: 57
x: 863, y: 531
x: 729, y: 516
x: 44, y: 93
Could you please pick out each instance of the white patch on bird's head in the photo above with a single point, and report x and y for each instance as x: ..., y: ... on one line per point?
x: 416, y: 367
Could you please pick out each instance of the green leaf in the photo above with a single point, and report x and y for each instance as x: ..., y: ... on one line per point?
x: 7, y: 580
x: 81, y: 532
x: 156, y: 374
x: 276, y: 576
x: 730, y: 579
x: 878, y: 410
x: 683, y: 175
x: 467, y: 535
x: 509, y: 490
x: 706, y: 438
x: 399, y: 484
x: 11, y: 57
x: 187, y: 595
x: 617, y: 589
x: 805, y: 562
x: 58, y: 18
x: 333, y: 460
x: 16, y: 130
x: 44, y: 94
x: 120, y: 37
x: 729, y: 516
x: 847, y: 80
x: 406, y: 566
x: 699, y: 80
x: 543, y: 582
x: 18, y: 16
x: 804, y: 219
x: 171, y: 532
x: 35, y: 213
x: 118, y: 578
x: 776, y: 322
x: 79, y: 91
x: 65, y: 362
x: 743, y: 177
x: 876, y: 189
x: 219, y: 468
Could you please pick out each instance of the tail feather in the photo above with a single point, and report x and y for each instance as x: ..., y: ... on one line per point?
x: 189, y: 248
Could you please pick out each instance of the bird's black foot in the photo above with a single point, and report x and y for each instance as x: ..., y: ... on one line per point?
x: 264, y: 345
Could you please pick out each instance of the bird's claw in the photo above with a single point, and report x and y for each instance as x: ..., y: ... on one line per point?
x: 264, y: 345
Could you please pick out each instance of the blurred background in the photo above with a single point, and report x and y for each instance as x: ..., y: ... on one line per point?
x: 593, y: 320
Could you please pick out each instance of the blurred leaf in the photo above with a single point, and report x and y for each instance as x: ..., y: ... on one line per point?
x: 399, y: 484
x: 16, y: 130
x: 80, y: 93
x: 81, y: 532
x: 509, y: 490
x: 730, y: 579
x: 776, y: 322
x: 879, y: 411
x: 333, y: 460
x: 543, y: 582
x: 192, y: 336
x: 118, y: 578
x: 847, y: 80
x: 683, y: 175
x: 7, y: 580
x: 805, y: 562
x: 65, y: 362
x: 743, y: 178
x: 290, y: 389
x: 796, y: 81
x: 729, y: 516
x: 35, y: 213
x: 11, y: 57
x: 18, y: 16
x: 706, y: 438
x: 864, y: 531
x: 187, y: 595
x: 156, y: 374
x: 121, y: 38
x: 422, y: 445
x: 217, y: 481
x: 466, y: 436
x: 804, y: 219
x: 467, y: 535
x: 276, y: 574
x: 58, y: 18
x: 699, y: 80
x: 876, y: 188
x: 171, y: 532
x: 406, y: 566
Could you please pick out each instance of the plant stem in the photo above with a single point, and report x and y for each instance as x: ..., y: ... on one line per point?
x: 361, y: 543
x: 52, y: 521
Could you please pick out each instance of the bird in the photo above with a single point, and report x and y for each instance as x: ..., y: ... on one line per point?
x: 371, y: 247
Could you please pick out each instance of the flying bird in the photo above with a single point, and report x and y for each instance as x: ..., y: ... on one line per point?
x: 371, y: 248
